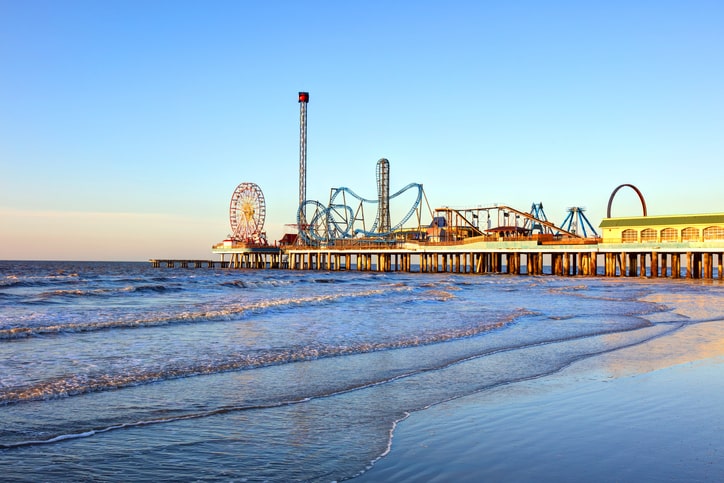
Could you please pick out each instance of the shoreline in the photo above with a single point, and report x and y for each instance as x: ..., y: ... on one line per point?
x: 648, y: 412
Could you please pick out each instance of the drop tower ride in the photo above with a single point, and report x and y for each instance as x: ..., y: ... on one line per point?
x: 303, y: 100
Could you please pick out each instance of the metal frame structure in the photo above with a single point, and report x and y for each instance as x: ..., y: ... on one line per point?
x: 340, y: 220
x: 383, y: 196
x: 626, y: 185
x: 247, y: 212
x: 303, y: 100
x: 576, y: 220
x: 536, y: 211
x: 465, y: 222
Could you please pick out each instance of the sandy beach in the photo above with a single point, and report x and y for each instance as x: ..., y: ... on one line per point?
x: 651, y: 412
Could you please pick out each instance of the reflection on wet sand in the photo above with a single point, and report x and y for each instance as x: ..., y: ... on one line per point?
x: 698, y: 325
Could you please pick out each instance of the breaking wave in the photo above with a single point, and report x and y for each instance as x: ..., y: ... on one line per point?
x: 230, y: 312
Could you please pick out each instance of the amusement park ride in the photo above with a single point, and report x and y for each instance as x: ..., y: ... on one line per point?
x: 247, y: 212
x: 344, y: 217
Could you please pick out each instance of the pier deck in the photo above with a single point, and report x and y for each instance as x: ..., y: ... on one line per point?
x: 520, y: 257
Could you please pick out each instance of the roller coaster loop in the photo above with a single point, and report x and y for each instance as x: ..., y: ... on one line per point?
x: 338, y: 219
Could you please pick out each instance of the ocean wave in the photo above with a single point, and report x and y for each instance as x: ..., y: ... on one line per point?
x: 562, y: 317
x: 38, y: 281
x: 50, y: 296
x: 230, y: 312
x: 439, y: 295
x: 235, y: 283
x: 309, y: 396
x: 255, y: 283
x: 75, y: 293
x: 156, y: 288
x: 78, y: 384
x: 86, y: 433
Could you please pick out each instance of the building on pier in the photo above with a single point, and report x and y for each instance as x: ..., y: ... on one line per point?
x: 661, y: 245
x: 668, y: 230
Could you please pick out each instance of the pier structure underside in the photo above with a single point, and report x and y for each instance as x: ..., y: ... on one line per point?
x: 521, y: 258
x: 567, y: 257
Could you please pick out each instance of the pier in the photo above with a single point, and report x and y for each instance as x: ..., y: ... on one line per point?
x: 494, y: 239
x: 681, y: 246
x: 588, y: 260
x: 521, y: 257
x: 185, y: 263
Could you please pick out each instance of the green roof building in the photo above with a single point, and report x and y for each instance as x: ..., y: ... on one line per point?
x: 692, y: 230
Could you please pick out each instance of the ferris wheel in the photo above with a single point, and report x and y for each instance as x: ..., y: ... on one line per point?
x: 247, y: 211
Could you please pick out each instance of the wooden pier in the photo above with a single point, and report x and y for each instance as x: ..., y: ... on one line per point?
x: 514, y: 258
x: 173, y: 263
x: 682, y: 246
x: 574, y: 260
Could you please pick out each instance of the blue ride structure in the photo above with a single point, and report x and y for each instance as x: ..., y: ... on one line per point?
x: 344, y: 216
x: 577, y: 223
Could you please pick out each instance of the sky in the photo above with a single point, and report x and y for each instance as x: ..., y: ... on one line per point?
x: 125, y: 125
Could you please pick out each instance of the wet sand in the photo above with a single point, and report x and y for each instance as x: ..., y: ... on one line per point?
x: 652, y: 412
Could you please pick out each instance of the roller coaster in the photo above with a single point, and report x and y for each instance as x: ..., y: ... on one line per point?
x: 504, y: 222
x: 344, y: 216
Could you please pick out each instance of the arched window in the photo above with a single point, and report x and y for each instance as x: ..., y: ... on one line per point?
x: 714, y: 233
x: 629, y: 236
x: 648, y: 235
x: 669, y: 235
x: 690, y: 234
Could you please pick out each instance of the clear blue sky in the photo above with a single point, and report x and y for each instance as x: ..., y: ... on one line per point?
x: 126, y: 125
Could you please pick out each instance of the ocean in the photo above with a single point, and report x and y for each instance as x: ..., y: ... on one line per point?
x: 119, y: 371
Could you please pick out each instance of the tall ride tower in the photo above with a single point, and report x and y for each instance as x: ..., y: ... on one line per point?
x: 383, y: 196
x: 303, y: 100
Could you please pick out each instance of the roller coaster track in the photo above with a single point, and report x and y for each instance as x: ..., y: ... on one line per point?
x: 508, y: 209
x: 338, y: 220
x: 545, y: 223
